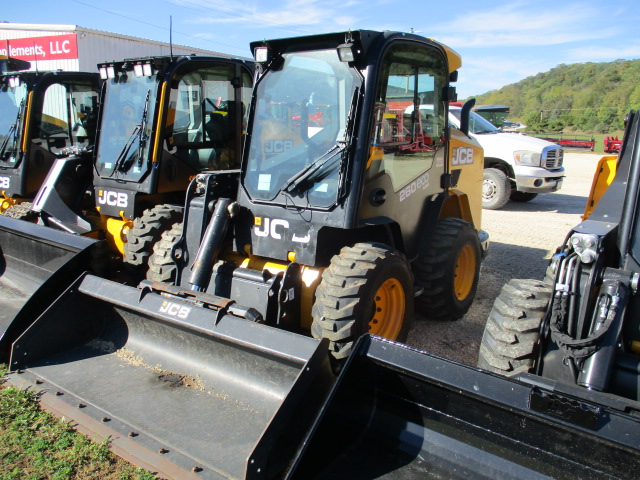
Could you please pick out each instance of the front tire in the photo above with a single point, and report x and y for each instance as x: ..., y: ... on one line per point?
x: 161, y: 265
x: 496, y: 189
x: 146, y: 231
x: 512, y: 333
x: 366, y: 288
x: 448, y: 268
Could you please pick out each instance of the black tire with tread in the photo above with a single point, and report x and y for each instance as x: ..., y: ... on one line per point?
x: 21, y: 211
x: 161, y: 266
x: 512, y: 332
x: 146, y: 231
x: 522, y: 197
x: 499, y: 192
x: 345, y: 303
x: 434, y: 269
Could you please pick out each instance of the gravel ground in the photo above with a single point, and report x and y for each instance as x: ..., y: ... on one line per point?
x: 523, y: 236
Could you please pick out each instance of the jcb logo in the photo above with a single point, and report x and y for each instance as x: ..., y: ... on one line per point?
x: 277, y: 146
x: 269, y: 227
x: 462, y: 156
x: 175, y: 310
x: 4, y: 182
x: 115, y: 199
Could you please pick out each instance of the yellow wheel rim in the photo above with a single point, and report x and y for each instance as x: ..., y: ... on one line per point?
x: 465, y: 272
x: 389, y: 307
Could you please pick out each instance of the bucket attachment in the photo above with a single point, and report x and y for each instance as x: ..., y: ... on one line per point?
x: 36, y: 265
x: 396, y: 412
x: 183, y: 383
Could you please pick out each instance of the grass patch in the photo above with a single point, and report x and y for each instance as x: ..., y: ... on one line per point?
x: 35, y: 445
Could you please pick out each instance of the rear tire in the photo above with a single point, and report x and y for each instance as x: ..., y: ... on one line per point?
x: 522, y: 196
x: 448, y: 268
x: 511, y: 335
x: 366, y: 288
x: 496, y: 189
x: 146, y: 231
x: 161, y: 265
x: 21, y: 211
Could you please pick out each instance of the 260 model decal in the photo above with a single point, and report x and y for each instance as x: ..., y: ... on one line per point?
x: 419, y: 183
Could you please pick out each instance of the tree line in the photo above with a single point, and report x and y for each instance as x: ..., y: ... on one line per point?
x: 585, y: 97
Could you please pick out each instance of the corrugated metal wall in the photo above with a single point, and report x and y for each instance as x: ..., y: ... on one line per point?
x: 95, y: 46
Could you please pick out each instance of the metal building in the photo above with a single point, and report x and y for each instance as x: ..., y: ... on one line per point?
x: 74, y: 48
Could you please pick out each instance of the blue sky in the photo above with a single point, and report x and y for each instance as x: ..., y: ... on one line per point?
x: 501, y: 42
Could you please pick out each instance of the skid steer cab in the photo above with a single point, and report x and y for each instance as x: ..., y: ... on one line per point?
x: 44, y: 116
x: 354, y: 197
x: 162, y: 121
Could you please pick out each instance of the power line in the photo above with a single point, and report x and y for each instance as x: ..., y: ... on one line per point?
x: 263, y: 23
x: 157, y: 26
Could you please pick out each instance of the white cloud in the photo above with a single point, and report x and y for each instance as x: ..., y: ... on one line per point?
x: 600, y: 54
x: 523, y: 24
x: 292, y: 13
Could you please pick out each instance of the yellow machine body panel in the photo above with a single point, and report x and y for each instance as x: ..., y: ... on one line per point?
x: 466, y: 155
x: 605, y: 173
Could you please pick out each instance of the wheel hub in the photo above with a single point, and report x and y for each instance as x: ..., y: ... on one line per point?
x: 489, y: 189
x: 389, y: 307
x: 465, y: 271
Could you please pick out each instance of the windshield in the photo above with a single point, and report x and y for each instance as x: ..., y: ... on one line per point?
x: 477, y: 124
x: 126, y: 126
x: 300, y: 127
x: 12, y: 100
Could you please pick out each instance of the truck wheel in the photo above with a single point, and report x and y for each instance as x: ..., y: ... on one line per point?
x: 161, y: 266
x: 522, y: 196
x: 448, y: 271
x: 512, y: 331
x: 21, y: 211
x: 496, y: 189
x: 146, y: 231
x: 366, y: 288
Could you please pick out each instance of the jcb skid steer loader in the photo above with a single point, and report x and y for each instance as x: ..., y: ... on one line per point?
x: 344, y: 197
x: 162, y: 120
x: 44, y: 116
x: 579, y: 327
x: 210, y: 374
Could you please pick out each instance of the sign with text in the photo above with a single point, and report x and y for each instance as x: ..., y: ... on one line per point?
x: 54, y: 47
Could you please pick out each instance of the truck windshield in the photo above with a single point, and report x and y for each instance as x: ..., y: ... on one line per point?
x: 125, y: 128
x: 477, y: 124
x: 300, y: 128
x: 12, y: 101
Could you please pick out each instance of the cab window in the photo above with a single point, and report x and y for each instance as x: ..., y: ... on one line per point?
x: 409, y: 116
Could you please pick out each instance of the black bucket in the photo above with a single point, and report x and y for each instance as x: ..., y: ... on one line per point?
x: 396, y: 412
x: 178, y: 387
x: 37, y: 264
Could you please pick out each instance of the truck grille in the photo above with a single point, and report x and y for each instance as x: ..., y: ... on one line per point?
x: 553, y: 158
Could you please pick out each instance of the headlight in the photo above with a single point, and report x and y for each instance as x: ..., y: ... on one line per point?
x: 527, y: 157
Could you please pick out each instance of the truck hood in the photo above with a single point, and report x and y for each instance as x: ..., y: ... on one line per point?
x: 512, y: 141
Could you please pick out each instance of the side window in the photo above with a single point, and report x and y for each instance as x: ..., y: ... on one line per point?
x: 409, y: 123
x: 247, y: 84
x: 84, y: 113
x: 54, y: 122
x: 202, y: 113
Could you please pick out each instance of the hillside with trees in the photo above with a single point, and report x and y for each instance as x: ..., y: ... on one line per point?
x: 584, y: 97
